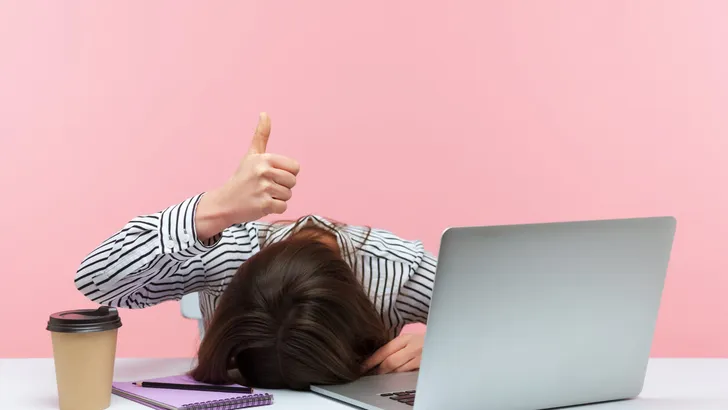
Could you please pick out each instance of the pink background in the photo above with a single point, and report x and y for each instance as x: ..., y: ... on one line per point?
x: 406, y: 115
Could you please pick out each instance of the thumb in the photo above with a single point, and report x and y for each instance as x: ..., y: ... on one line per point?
x: 262, y: 132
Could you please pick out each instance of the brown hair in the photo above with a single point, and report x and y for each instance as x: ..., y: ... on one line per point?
x: 293, y: 315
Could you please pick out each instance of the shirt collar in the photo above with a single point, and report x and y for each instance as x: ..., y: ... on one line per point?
x: 348, y: 251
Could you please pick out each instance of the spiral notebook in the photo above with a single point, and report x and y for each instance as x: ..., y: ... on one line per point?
x: 168, y: 399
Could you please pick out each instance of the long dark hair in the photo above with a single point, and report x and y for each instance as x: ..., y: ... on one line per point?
x: 292, y: 316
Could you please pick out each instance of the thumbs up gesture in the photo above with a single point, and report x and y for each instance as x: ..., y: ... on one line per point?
x: 262, y: 183
x: 260, y: 186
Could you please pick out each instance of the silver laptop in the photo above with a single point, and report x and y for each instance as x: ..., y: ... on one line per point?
x: 532, y: 317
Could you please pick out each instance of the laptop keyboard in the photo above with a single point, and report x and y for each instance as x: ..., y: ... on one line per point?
x: 405, y: 397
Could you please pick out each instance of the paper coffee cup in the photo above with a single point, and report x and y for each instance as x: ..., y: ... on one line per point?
x: 84, y: 349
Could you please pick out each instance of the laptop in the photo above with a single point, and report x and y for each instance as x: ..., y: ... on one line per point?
x: 533, y: 316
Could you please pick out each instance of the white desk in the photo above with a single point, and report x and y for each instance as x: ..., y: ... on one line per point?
x: 671, y: 384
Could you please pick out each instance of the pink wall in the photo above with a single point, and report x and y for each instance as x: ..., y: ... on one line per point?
x: 457, y: 112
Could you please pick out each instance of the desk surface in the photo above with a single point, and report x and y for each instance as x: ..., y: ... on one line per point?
x: 671, y: 384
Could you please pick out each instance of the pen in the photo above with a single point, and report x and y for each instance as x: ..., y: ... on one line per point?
x: 199, y: 387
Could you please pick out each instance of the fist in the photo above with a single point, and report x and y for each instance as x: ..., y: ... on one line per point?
x: 262, y: 183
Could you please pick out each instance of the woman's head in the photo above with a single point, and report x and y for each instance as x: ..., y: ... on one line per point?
x: 292, y: 316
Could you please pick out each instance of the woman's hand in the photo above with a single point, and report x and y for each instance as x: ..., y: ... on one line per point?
x: 260, y: 186
x: 403, y: 354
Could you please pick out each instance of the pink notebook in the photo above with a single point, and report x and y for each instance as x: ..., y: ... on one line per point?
x: 168, y: 399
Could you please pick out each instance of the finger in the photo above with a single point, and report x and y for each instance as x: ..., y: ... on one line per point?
x: 284, y: 163
x: 413, y: 364
x: 395, y: 361
x: 279, y: 192
x: 384, y: 352
x: 283, y: 178
x: 275, y: 206
x: 262, y: 133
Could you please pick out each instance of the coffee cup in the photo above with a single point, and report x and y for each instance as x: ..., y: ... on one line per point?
x: 84, y: 350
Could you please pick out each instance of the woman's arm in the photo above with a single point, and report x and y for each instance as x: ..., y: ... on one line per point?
x: 416, y: 293
x: 196, y: 244
x: 404, y: 352
x: 414, y: 290
x: 162, y: 256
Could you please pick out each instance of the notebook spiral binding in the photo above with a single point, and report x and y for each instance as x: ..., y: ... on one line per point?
x: 232, y: 403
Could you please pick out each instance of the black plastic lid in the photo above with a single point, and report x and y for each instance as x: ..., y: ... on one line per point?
x: 84, y: 320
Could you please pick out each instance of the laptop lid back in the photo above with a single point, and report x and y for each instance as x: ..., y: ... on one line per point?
x: 543, y: 315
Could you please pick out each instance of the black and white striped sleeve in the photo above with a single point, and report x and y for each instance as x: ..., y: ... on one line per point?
x: 159, y: 257
x: 415, y: 295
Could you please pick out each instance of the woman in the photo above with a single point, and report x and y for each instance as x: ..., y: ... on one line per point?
x: 287, y: 305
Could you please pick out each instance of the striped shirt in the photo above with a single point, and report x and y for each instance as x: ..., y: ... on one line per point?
x: 158, y: 257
